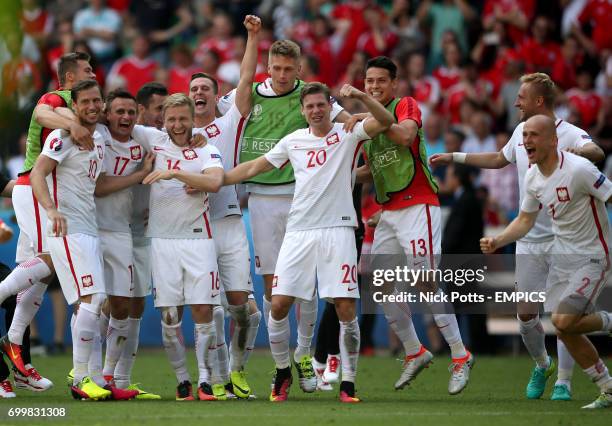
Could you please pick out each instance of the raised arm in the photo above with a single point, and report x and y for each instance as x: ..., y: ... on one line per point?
x: 247, y: 170
x: 483, y: 160
x: 591, y: 151
x: 516, y: 230
x: 248, y: 66
x: 43, y: 167
x: 381, y: 118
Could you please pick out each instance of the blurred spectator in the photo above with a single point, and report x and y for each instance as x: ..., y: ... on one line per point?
x: 502, y: 185
x: 36, y: 21
x: 564, y: 69
x: 584, y: 100
x: 405, y: 24
x: 539, y: 52
x: 596, y: 14
x: 453, y: 141
x: 355, y: 73
x: 480, y: 139
x: 160, y: 22
x: 134, y: 70
x: 99, y: 26
x: 425, y: 89
x: 571, y: 11
x: 181, y: 69
x: 82, y: 46
x: 62, y: 43
x: 433, y: 128
x: 603, y: 82
x: 442, y: 16
x: 504, y: 104
x: 14, y: 165
x: 219, y: 39
x: 449, y: 74
x: 379, y: 40
x: 514, y: 14
x: 20, y: 74
x: 470, y: 88
x: 229, y: 71
x: 309, y: 69
x: 349, y: 16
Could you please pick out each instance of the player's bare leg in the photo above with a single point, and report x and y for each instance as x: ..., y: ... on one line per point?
x: 350, y: 340
x: 206, y: 353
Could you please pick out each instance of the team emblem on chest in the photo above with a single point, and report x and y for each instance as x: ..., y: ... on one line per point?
x: 135, y: 152
x: 563, y: 194
x: 212, y: 131
x: 189, y: 154
x: 332, y: 139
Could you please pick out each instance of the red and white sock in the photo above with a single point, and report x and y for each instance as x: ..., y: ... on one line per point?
x: 279, y: 333
x: 28, y: 304
x: 115, y: 341
x: 123, y: 370
x: 206, y: 352
x: 23, y: 276
x: 350, y: 341
x: 174, y: 344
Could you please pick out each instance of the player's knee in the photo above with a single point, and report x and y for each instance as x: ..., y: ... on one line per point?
x: 253, y: 307
x: 137, y: 306
x: 526, y: 317
x: 170, y: 315
x: 47, y: 259
x: 345, y: 308
x: 93, y: 302
x: 563, y: 323
x: 279, y: 309
x: 240, y: 314
x: 202, y: 313
x: 119, y: 307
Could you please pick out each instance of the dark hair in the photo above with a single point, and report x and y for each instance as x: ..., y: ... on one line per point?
x: 208, y: 76
x: 117, y: 94
x: 69, y: 63
x: 146, y: 92
x: 465, y: 174
x: 457, y: 132
x: 313, y: 88
x: 383, y: 62
x: 83, y: 85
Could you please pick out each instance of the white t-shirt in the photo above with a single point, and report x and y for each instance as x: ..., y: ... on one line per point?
x: 324, y: 170
x: 114, y: 211
x: 574, y: 196
x: 172, y: 212
x: 569, y: 136
x: 224, y: 133
x: 73, y: 182
x: 265, y: 89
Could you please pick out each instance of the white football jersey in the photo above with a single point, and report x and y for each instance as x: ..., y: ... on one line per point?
x: 265, y: 89
x: 569, y: 136
x: 324, y: 170
x: 114, y: 211
x: 224, y: 133
x: 574, y: 196
x: 73, y: 182
x: 172, y: 212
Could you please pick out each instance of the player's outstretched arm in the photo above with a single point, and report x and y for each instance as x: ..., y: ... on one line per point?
x: 42, y: 168
x: 247, y: 170
x: 248, y: 66
x: 48, y: 117
x: 106, y: 185
x: 210, y: 180
x: 591, y: 151
x: 381, y: 118
x: 516, y: 230
x: 483, y: 160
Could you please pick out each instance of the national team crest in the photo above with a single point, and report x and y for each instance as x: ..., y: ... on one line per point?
x: 332, y: 139
x: 86, y: 281
x: 563, y: 194
x: 100, y: 152
x: 135, y: 152
x: 55, y: 144
x: 212, y: 131
x: 189, y: 154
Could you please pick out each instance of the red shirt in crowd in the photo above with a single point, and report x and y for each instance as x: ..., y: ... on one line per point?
x: 179, y: 79
x: 53, y: 57
x: 540, y: 57
x: 223, y: 48
x: 36, y: 22
x: 366, y: 43
x: 599, y: 14
x: 587, y: 104
x: 135, y: 72
x: 426, y: 90
x: 447, y: 77
x: 526, y: 6
x: 353, y: 13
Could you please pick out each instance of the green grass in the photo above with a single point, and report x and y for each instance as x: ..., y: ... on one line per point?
x: 495, y: 395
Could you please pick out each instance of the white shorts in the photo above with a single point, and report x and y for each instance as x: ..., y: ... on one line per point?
x: 184, y: 272
x: 142, y: 266
x: 32, y: 221
x: 532, y: 265
x: 78, y: 264
x: 575, y: 282
x: 233, y: 257
x: 118, y: 263
x: 325, y: 257
x: 268, y: 215
x: 414, y: 231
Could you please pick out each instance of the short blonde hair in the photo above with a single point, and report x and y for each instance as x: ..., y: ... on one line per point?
x: 177, y: 100
x: 287, y: 48
x: 542, y: 86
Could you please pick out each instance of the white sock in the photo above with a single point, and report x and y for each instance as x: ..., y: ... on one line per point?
x: 267, y: 307
x: 399, y: 318
x: 566, y: 365
x: 23, y: 276
x: 28, y: 304
x: 447, y: 324
x: 221, y: 359
x: 279, y: 333
x: 350, y: 340
x: 306, y: 311
x: 240, y: 315
x: 85, y: 329
x: 533, y: 338
x: 599, y: 375
x: 254, y: 320
x: 123, y: 370
x: 103, y: 325
x: 174, y: 344
x: 606, y: 319
x: 115, y: 341
x: 95, y: 361
x: 206, y: 350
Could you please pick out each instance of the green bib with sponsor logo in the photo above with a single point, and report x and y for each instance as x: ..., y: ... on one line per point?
x: 34, y: 144
x: 272, y: 118
x: 392, y: 165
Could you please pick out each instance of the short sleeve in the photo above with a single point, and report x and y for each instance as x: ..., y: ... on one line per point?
x: 336, y: 109
x: 530, y: 203
x: 593, y: 181
x: 359, y: 134
x: 53, y: 100
x: 231, y: 118
x: 212, y: 158
x: 56, y: 147
x: 225, y: 102
x: 580, y: 138
x: 278, y: 155
x: 509, y: 150
x: 146, y: 136
x: 408, y: 109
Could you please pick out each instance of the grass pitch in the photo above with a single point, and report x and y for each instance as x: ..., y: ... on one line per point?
x: 495, y: 395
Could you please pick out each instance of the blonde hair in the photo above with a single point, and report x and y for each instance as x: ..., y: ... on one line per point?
x: 285, y: 48
x: 178, y: 100
x: 542, y: 86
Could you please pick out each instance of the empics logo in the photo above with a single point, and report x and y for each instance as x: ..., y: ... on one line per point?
x: 135, y: 152
x: 55, y: 144
x: 212, y: 131
x: 189, y: 154
x: 86, y: 281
